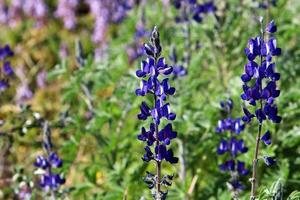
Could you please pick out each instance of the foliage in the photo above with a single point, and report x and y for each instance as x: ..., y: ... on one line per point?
x: 91, y: 106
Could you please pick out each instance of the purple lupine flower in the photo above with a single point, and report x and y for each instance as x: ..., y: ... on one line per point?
x: 153, y: 73
x: 269, y: 161
x: 41, y: 162
x: 266, y: 138
x: 6, y: 71
x: 263, y: 73
x: 49, y: 180
x: 66, y: 9
x: 232, y: 146
x: 260, y: 89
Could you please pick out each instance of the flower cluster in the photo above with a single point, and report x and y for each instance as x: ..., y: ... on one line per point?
x: 152, y: 73
x: 66, y: 9
x: 191, y: 7
x: 6, y: 70
x: 49, y: 180
x: 259, y: 88
x: 232, y: 146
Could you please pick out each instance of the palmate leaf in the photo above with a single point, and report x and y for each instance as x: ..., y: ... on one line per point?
x: 294, y: 196
x: 275, y: 192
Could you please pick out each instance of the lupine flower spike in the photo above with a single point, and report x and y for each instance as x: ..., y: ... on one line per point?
x: 153, y: 73
x: 232, y: 146
x: 50, y: 182
x: 260, y: 90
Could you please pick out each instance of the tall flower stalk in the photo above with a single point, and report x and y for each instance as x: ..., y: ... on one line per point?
x: 232, y: 146
x: 157, y: 139
x: 49, y: 180
x: 260, y: 90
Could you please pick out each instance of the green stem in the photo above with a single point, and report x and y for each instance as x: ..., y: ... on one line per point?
x: 253, y: 179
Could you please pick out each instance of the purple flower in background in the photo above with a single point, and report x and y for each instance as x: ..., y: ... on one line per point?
x: 136, y: 50
x: 100, y: 12
x: 64, y: 51
x: 106, y: 12
x: 178, y: 70
x: 36, y: 9
x: 6, y: 70
x: 263, y: 4
x: 23, y: 92
x: 41, y: 79
x: 153, y: 73
x: 191, y: 9
x: 66, y: 9
x: 232, y: 146
x: 49, y: 180
x: 3, y: 12
x: 260, y: 88
x: 14, y: 12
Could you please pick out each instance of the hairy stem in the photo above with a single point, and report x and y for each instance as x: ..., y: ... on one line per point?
x: 253, y: 179
x: 254, y: 164
x: 158, y: 163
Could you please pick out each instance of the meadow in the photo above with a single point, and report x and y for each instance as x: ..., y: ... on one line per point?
x: 150, y: 99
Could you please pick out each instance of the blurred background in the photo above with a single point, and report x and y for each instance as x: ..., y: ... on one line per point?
x: 74, y: 65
